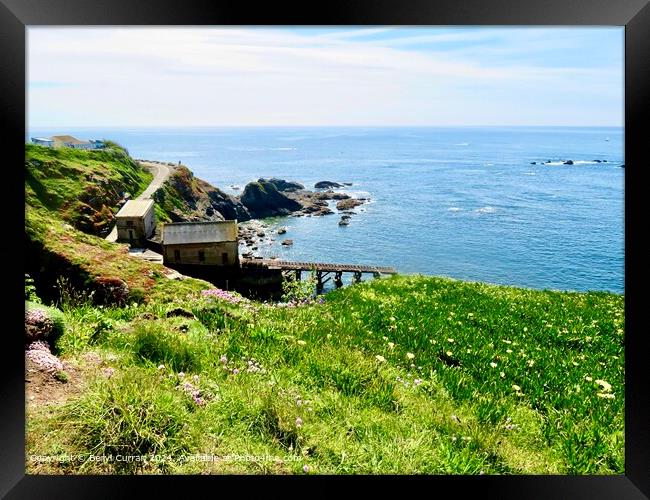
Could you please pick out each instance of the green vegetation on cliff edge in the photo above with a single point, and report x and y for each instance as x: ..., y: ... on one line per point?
x: 410, y: 374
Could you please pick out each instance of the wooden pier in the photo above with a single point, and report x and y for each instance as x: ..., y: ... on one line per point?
x: 323, y: 272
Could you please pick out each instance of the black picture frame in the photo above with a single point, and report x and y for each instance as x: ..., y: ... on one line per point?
x: 16, y: 15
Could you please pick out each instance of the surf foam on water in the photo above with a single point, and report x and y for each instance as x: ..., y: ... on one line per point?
x: 486, y: 210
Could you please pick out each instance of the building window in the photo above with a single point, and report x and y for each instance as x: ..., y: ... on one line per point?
x: 224, y: 258
x: 177, y: 255
x: 201, y: 256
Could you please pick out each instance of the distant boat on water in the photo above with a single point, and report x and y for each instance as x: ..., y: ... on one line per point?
x: 606, y: 139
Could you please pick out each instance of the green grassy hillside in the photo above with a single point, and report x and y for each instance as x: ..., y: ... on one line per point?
x: 411, y: 374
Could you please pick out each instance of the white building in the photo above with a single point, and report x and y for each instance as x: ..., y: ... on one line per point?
x: 42, y: 141
x: 60, y: 141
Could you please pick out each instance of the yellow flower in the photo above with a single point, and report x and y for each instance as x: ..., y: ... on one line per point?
x: 493, y: 364
x: 606, y: 386
x: 302, y: 342
x: 450, y: 340
x: 391, y: 345
x: 410, y: 355
x: 516, y: 387
x: 588, y: 378
x: 379, y: 358
x: 448, y: 353
x: 502, y: 374
x: 606, y: 395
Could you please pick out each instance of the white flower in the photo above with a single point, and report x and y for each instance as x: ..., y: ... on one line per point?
x: 516, y: 387
x: 493, y: 364
x: 298, y: 422
x: 410, y: 355
x: 380, y: 358
x: 391, y: 345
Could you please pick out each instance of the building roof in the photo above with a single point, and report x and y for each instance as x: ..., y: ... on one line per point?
x: 199, y: 232
x: 68, y: 139
x: 135, y: 208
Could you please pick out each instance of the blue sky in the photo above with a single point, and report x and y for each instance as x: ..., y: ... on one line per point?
x: 372, y: 76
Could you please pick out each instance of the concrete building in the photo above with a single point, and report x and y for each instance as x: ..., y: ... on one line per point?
x: 211, y: 244
x: 135, y: 222
x: 68, y: 141
x: 42, y: 141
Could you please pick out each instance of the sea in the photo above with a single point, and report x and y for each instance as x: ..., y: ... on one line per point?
x: 490, y: 204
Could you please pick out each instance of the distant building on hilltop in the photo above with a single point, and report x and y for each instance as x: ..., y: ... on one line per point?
x: 42, y: 141
x: 201, y: 244
x: 67, y: 141
x: 135, y: 222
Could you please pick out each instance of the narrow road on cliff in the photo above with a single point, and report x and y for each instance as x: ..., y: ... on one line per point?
x: 160, y: 173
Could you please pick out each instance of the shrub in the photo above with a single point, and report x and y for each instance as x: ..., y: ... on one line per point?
x: 30, y: 290
x: 43, y: 323
x: 113, y: 291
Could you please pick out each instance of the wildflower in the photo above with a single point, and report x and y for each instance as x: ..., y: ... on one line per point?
x: 606, y: 386
x: 329, y: 336
x: 223, y: 359
x: 410, y: 355
x: 305, y: 469
x: 108, y: 372
x: 502, y: 374
x: 516, y: 387
x: 392, y: 318
x: 195, y: 378
x: 391, y: 345
x: 161, y: 367
x: 235, y: 371
x: 450, y: 340
x: 385, y: 338
x: 531, y: 362
x: 181, y: 374
x: 449, y: 353
x: 301, y: 342
x: 606, y: 395
x: 417, y: 381
x: 298, y: 422
x: 380, y: 358
x: 298, y: 402
x: 588, y: 378
x: 509, y: 351
x: 493, y: 364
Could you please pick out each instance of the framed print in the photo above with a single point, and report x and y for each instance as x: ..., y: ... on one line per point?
x: 365, y: 242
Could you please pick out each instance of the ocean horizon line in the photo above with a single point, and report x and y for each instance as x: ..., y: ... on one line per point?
x: 132, y: 127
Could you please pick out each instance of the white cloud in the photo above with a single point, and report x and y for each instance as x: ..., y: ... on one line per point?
x: 236, y: 76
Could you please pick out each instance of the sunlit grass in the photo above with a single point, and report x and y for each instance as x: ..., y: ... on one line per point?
x: 402, y: 375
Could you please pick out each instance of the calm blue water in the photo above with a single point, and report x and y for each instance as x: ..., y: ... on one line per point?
x: 458, y: 202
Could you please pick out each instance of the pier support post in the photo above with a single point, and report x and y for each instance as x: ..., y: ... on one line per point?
x: 298, y: 274
x: 356, y: 278
x: 338, y: 279
x: 376, y: 275
x: 319, y: 281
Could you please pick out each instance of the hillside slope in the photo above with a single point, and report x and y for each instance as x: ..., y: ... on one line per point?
x: 406, y: 375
